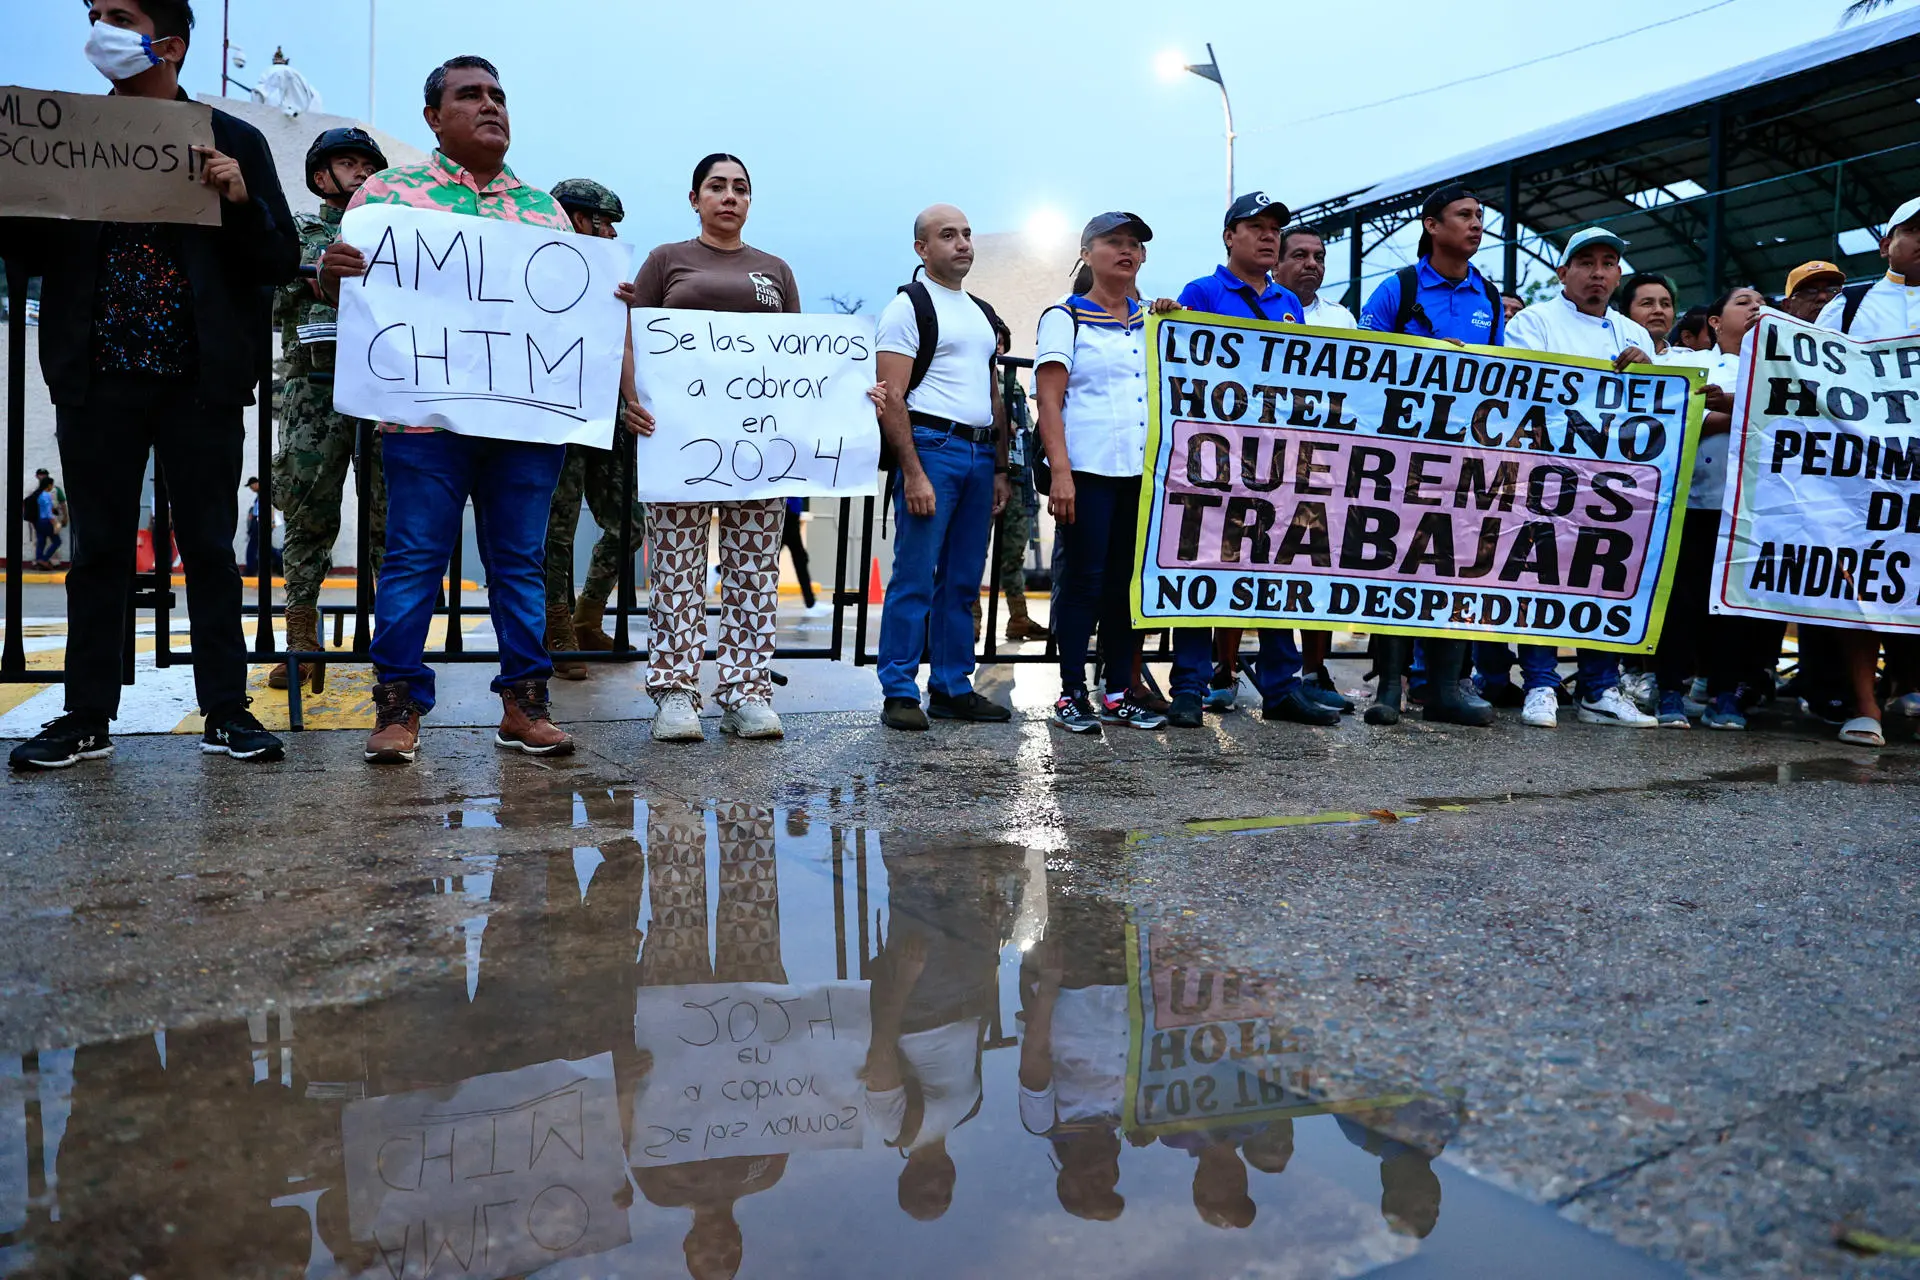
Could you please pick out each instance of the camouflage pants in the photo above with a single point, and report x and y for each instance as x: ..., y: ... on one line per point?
x: 309, y: 478
x: 1016, y: 528
x: 595, y: 475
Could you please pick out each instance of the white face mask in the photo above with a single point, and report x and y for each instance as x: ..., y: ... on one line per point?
x: 120, y: 54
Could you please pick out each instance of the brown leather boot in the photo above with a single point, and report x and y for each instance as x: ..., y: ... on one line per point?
x: 528, y: 724
x: 396, y: 725
x: 1020, y: 623
x: 586, y: 626
x: 561, y: 639
x: 303, y: 636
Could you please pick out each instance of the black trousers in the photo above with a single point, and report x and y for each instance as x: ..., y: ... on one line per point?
x: 104, y: 446
x: 1695, y: 642
x: 795, y: 542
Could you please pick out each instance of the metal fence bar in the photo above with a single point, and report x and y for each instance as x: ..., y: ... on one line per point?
x: 13, y: 656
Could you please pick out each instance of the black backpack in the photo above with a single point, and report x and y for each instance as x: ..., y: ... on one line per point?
x: 1854, y: 294
x: 927, y: 321
x: 1409, y: 278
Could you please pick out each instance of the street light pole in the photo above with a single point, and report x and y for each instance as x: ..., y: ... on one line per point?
x: 371, y: 6
x: 226, y: 43
x: 1210, y: 70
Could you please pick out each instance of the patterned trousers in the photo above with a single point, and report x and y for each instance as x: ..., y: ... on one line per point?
x: 749, y: 595
x: 746, y: 922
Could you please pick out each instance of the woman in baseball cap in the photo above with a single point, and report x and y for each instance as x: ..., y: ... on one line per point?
x: 1090, y: 371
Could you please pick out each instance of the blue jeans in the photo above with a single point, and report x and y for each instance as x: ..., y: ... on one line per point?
x: 46, y: 540
x: 1093, y: 562
x: 939, y: 562
x: 1493, y: 662
x: 430, y: 476
x: 1275, y: 673
x: 1539, y: 668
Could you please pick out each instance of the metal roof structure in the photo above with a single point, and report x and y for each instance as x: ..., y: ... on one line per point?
x: 1734, y: 178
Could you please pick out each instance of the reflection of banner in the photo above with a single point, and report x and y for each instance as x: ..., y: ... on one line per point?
x: 482, y: 327
x: 755, y: 405
x: 1208, y: 1047
x: 502, y: 1176
x: 1324, y: 478
x: 749, y: 1069
x: 1821, y: 519
x: 104, y: 159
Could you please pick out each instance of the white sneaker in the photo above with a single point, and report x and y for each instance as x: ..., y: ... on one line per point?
x: 1542, y: 709
x: 676, y: 720
x: 1614, y: 707
x: 752, y: 720
x: 1644, y: 689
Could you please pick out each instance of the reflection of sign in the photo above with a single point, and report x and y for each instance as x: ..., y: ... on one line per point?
x: 749, y: 1069
x: 1209, y: 1047
x: 1821, y: 519
x: 1329, y: 479
x: 483, y: 327
x: 104, y: 159
x: 501, y: 1175
x: 755, y: 405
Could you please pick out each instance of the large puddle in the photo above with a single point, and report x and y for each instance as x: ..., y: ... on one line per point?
x: 734, y: 1040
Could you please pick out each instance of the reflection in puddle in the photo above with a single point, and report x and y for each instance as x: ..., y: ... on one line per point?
x: 731, y: 1039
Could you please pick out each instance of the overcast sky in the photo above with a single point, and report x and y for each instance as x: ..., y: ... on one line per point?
x: 853, y: 115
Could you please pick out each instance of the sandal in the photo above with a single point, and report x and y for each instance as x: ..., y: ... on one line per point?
x: 1862, y: 731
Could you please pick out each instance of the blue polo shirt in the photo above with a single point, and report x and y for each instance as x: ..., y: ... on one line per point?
x: 1225, y: 294
x: 1458, y: 311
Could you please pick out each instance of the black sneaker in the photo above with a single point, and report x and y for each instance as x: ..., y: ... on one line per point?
x: 1129, y: 711
x: 903, y: 713
x: 1187, y: 711
x: 236, y: 733
x: 1074, y: 713
x: 64, y: 742
x: 966, y: 706
x: 1296, y: 706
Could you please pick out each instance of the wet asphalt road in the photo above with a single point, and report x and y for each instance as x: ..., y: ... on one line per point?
x: 1661, y: 984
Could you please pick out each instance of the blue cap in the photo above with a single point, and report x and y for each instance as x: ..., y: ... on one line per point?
x: 1106, y: 223
x: 1253, y: 205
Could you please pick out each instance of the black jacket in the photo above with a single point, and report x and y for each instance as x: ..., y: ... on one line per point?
x: 229, y: 266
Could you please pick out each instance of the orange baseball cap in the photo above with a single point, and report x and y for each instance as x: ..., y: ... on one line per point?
x: 1810, y: 270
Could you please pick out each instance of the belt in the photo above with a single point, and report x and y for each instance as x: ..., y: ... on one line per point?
x: 978, y: 435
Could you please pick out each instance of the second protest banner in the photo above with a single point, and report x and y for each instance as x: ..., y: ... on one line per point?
x: 1821, y: 522
x: 759, y: 405
x: 1332, y: 479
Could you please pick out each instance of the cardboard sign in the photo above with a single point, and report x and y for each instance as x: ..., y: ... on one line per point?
x: 500, y: 1176
x: 1327, y: 478
x: 481, y: 327
x: 1821, y: 518
x: 749, y: 1069
x: 753, y: 405
x: 103, y: 159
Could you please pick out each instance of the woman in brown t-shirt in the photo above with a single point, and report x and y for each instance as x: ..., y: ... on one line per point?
x: 715, y: 271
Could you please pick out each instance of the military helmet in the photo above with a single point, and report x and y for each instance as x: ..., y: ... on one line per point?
x: 340, y: 142
x: 588, y: 195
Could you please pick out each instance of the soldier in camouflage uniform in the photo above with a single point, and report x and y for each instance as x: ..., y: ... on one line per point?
x: 594, y: 474
x: 316, y: 444
x: 1019, y: 517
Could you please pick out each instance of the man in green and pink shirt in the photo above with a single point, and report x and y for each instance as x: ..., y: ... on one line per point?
x: 432, y: 473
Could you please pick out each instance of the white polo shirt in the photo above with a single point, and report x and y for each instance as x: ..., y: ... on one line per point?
x: 959, y: 382
x: 1329, y: 315
x: 1710, y: 459
x: 1558, y: 326
x: 1106, y: 409
x: 1891, y: 309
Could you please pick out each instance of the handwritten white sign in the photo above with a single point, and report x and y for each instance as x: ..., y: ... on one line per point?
x: 753, y: 405
x: 502, y: 1175
x: 749, y: 1069
x: 481, y: 327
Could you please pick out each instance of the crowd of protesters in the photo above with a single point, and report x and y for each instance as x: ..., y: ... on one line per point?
x: 148, y: 345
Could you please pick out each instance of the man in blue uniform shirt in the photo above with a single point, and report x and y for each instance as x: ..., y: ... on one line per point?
x: 1243, y: 287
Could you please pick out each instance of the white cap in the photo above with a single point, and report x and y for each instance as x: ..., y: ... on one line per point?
x: 1904, y: 214
x: 1593, y: 235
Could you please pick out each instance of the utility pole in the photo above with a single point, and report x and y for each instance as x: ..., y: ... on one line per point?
x: 371, y: 6
x: 226, y: 42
